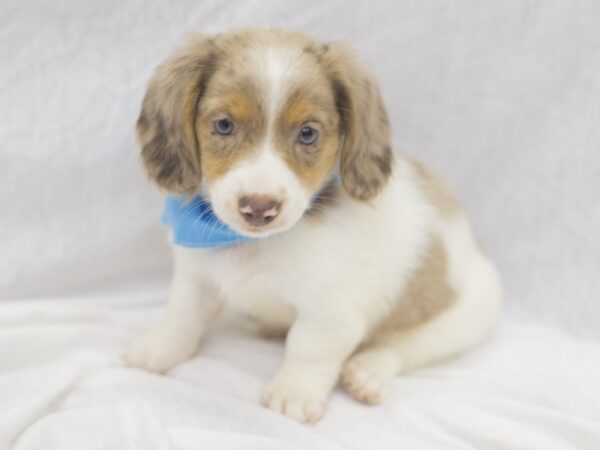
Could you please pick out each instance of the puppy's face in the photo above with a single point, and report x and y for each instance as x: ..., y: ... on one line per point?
x: 260, y: 119
x: 269, y: 133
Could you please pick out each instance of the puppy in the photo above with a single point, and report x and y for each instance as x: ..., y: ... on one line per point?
x: 365, y: 259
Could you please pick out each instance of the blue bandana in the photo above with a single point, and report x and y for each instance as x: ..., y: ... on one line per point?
x: 194, y: 224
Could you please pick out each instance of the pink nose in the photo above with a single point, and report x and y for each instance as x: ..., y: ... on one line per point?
x: 258, y: 210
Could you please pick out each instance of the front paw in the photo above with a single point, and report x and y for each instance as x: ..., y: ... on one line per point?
x: 301, y: 401
x: 161, y: 349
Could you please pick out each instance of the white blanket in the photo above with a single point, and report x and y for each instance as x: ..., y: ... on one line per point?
x: 63, y: 387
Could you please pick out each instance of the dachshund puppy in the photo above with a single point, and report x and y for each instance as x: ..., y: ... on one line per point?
x: 288, y: 202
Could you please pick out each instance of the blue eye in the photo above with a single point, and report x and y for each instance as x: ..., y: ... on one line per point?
x: 308, y: 136
x: 224, y: 126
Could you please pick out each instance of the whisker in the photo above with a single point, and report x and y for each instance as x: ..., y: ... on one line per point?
x: 188, y: 210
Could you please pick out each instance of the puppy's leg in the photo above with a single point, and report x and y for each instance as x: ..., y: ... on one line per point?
x: 368, y: 374
x: 193, y: 303
x: 315, y: 350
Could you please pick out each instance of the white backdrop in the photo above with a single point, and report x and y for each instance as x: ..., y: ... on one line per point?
x: 502, y: 98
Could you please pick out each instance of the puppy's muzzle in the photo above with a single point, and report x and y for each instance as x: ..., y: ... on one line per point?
x: 259, y: 210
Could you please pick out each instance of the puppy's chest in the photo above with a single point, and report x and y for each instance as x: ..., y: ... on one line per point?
x: 245, y: 275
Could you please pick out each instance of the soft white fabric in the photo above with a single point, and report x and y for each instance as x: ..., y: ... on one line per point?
x: 500, y: 97
x: 529, y: 387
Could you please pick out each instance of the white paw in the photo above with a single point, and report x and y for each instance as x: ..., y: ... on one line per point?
x: 160, y: 349
x: 299, y: 401
x: 367, y: 377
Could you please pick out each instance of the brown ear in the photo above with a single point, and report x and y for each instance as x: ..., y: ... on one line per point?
x: 165, y: 127
x: 366, y: 157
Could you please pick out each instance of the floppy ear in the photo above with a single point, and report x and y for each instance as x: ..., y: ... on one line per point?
x: 165, y: 127
x: 366, y: 157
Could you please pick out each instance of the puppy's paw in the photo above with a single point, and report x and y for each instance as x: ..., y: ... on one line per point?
x: 367, y: 376
x: 294, y: 399
x: 160, y: 349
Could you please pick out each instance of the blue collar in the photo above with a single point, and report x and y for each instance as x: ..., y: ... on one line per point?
x: 194, y: 224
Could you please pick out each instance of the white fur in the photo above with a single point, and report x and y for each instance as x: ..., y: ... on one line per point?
x: 338, y: 273
x: 276, y: 65
x: 263, y: 174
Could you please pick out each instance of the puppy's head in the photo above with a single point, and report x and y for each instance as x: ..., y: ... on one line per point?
x: 261, y: 119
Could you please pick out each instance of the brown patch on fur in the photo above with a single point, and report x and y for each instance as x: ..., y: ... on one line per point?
x: 437, y: 192
x: 313, y: 163
x: 309, y: 105
x: 220, y: 153
x: 427, y: 292
x: 165, y: 128
x: 366, y: 159
x: 298, y: 111
x: 242, y: 107
x: 239, y: 98
x: 225, y: 152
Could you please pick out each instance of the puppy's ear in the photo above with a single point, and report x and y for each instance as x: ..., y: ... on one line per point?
x: 366, y: 157
x: 165, y: 127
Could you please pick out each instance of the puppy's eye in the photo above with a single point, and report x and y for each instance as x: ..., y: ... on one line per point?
x: 224, y: 126
x: 308, y: 136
